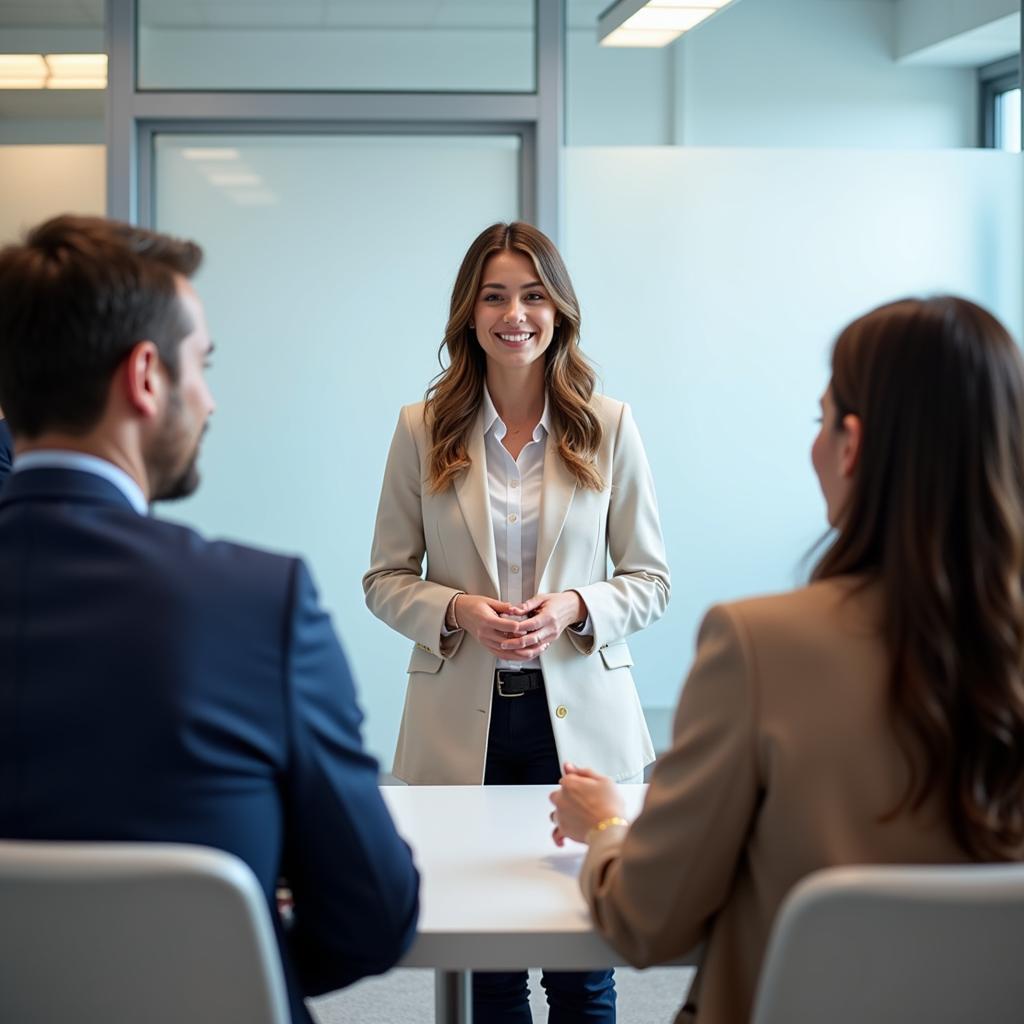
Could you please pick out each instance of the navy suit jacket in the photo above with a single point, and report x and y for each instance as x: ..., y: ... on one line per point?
x: 157, y: 686
x: 6, y: 451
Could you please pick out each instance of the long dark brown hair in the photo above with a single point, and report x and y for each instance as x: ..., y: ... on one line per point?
x: 454, y: 397
x: 936, y: 514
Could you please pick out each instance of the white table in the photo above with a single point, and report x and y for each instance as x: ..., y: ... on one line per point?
x: 497, y: 894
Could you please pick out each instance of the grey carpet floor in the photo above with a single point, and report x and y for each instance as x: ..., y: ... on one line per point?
x: 407, y: 997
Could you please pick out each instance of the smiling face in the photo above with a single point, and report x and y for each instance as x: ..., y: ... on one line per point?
x: 514, y: 316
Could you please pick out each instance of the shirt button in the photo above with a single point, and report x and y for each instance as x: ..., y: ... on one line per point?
x: 512, y: 518
x: 514, y: 484
x: 561, y: 711
x: 514, y: 568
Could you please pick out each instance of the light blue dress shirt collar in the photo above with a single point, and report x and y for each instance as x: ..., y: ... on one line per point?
x: 59, y: 458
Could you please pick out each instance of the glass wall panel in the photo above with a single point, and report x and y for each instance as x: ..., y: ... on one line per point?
x: 1008, y: 115
x: 347, y: 45
x: 712, y: 284
x: 328, y: 270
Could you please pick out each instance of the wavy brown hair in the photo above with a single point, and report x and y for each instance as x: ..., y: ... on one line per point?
x: 936, y: 515
x: 454, y: 396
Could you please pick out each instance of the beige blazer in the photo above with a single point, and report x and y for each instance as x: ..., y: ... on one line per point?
x: 783, y: 761
x: 595, y: 711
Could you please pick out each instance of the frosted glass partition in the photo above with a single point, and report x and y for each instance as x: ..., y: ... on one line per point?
x: 352, y: 45
x: 713, y: 283
x: 329, y: 263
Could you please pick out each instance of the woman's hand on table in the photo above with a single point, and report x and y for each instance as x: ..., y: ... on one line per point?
x: 583, y: 800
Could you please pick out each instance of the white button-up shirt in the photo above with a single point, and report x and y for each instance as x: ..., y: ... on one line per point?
x: 514, y: 486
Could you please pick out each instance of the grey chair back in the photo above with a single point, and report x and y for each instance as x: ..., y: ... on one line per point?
x: 898, y: 945
x: 112, y: 933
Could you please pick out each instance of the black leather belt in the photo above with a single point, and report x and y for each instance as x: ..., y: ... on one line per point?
x: 516, y: 683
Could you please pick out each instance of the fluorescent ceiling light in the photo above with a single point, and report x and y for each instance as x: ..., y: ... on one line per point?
x: 22, y: 64
x: 224, y: 178
x: 22, y: 71
x: 623, y: 36
x: 77, y: 70
x: 653, y: 22
x: 53, y: 71
x: 209, y: 153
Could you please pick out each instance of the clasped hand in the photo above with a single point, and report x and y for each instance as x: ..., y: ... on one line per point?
x: 519, y: 632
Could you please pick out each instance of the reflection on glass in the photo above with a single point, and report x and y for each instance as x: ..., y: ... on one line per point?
x: 1008, y: 117
x: 337, y: 45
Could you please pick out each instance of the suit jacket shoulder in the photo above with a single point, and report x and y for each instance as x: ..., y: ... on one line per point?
x: 839, y: 602
x: 609, y: 410
x: 228, y: 561
x: 791, y: 640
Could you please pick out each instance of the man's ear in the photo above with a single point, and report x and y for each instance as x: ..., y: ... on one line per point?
x: 143, y: 383
x: 849, y: 453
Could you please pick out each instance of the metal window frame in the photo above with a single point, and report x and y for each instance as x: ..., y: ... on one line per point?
x: 994, y: 80
x: 135, y: 116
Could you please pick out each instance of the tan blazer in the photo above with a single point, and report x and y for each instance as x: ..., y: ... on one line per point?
x: 595, y: 711
x: 783, y: 762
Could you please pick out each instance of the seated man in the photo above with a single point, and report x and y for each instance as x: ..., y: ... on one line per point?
x: 154, y: 685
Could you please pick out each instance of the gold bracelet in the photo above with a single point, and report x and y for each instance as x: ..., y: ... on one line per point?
x: 602, y: 825
x: 607, y: 823
x: 455, y: 621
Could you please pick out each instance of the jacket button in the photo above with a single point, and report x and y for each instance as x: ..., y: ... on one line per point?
x: 561, y: 711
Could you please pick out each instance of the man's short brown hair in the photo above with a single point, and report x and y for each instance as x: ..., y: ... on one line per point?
x: 75, y: 298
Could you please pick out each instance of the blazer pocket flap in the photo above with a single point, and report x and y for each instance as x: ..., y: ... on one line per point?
x: 423, y: 661
x: 616, y: 655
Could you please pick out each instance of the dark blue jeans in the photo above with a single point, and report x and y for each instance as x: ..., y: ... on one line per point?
x: 521, y: 752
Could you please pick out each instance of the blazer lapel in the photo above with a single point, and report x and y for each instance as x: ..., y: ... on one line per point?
x: 557, y: 492
x: 475, y: 503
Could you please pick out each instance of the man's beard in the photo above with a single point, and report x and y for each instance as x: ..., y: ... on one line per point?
x: 168, y: 479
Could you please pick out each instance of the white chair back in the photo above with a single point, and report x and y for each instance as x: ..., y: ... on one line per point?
x: 898, y: 945
x: 115, y: 933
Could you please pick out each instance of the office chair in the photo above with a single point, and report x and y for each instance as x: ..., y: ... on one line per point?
x: 897, y: 945
x: 112, y: 933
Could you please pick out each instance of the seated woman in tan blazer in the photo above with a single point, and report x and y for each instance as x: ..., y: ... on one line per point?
x: 874, y: 716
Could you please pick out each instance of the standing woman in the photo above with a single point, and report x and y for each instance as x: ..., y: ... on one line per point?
x: 519, y: 484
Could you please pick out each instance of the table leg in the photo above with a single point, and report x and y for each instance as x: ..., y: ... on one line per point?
x: 453, y: 1002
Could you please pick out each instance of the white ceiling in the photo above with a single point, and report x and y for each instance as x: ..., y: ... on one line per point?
x: 278, y: 13
x: 300, y: 13
x: 416, y: 14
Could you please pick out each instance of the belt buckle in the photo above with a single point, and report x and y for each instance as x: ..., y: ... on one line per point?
x: 501, y: 692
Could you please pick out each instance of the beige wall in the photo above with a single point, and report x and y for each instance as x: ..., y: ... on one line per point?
x: 37, y: 182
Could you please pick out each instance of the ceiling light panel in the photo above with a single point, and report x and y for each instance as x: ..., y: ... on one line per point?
x: 53, y: 71
x: 655, y: 22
